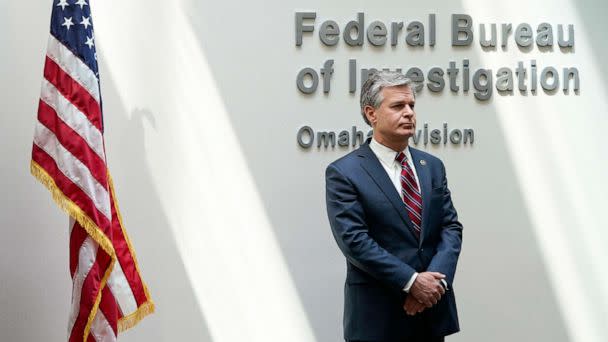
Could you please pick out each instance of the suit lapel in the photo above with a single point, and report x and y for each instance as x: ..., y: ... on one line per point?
x: 424, y: 177
x: 377, y: 173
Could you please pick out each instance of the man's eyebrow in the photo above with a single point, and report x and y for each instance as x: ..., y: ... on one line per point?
x: 401, y: 101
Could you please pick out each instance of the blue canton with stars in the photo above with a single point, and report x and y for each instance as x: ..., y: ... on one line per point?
x: 71, y: 24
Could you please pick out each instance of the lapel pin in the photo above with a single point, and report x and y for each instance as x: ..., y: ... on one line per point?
x: 422, y: 162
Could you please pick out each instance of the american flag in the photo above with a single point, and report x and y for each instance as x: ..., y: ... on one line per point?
x: 68, y: 157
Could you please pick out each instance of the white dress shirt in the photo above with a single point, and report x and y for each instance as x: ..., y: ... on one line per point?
x: 387, y: 156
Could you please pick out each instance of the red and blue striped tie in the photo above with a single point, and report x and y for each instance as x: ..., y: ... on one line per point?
x: 410, y: 193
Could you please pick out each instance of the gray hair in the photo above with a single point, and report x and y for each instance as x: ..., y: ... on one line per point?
x: 371, y: 91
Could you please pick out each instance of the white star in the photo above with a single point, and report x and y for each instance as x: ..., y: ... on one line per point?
x: 86, y: 21
x: 63, y: 4
x: 89, y: 42
x: 82, y: 3
x: 67, y: 22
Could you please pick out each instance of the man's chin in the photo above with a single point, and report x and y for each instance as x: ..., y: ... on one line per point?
x: 407, y: 133
x: 401, y: 137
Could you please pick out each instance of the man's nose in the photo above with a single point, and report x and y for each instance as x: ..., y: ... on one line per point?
x: 408, y: 111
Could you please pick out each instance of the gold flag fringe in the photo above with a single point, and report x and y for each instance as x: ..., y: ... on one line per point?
x: 104, y: 280
x: 147, y: 307
x: 128, y: 322
x: 97, y: 234
x: 72, y: 209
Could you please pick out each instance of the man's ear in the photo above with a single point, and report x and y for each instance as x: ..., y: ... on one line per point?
x: 370, y: 114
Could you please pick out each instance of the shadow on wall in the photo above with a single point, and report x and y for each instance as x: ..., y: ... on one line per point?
x: 177, y: 316
x: 592, y: 12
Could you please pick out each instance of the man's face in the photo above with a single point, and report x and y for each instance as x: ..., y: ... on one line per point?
x: 395, y: 118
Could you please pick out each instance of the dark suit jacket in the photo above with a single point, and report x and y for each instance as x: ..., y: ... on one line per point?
x: 370, y: 224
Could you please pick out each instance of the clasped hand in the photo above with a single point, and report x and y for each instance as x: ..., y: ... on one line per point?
x: 425, y: 292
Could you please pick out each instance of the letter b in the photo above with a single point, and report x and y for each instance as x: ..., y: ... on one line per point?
x: 458, y: 29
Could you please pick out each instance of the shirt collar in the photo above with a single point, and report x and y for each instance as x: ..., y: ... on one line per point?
x: 385, y: 154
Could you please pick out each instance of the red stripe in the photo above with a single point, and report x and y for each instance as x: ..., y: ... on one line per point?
x: 407, y: 188
x: 415, y: 221
x: 90, y: 289
x: 76, y: 240
x: 413, y: 200
x: 69, y: 189
x: 109, y: 308
x: 73, y: 91
x: 408, y: 176
x: 412, y: 183
x: 126, y: 259
x: 413, y: 217
x: 410, y: 204
x: 413, y: 205
x: 73, y: 142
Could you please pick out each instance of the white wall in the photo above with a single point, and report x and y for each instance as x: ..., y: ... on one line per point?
x: 227, y: 212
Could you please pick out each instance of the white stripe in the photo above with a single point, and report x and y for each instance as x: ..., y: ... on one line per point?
x: 122, y: 290
x: 73, y: 66
x: 403, y: 178
x: 407, y: 193
x: 73, y: 168
x: 86, y: 258
x: 101, y: 329
x: 72, y: 223
x: 72, y: 117
x: 413, y: 212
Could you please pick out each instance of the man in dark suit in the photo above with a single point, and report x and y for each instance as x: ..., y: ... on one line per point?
x: 392, y: 216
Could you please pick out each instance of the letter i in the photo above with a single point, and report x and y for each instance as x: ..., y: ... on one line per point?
x: 533, y: 80
x: 352, y: 75
x: 465, y: 75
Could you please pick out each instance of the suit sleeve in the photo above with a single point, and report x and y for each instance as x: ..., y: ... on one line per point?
x: 349, y: 227
x: 448, y: 249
